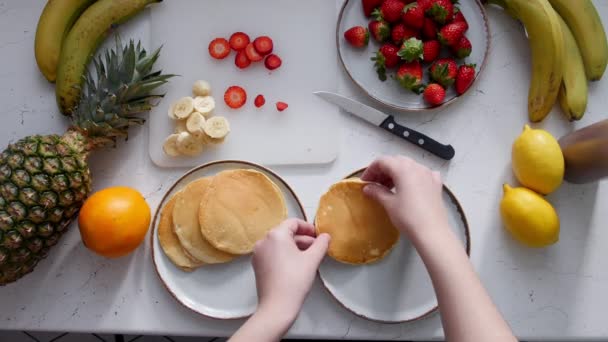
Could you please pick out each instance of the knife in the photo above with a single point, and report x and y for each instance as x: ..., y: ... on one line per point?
x: 378, y: 118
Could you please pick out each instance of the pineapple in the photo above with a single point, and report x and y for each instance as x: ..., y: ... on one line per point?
x: 44, y: 180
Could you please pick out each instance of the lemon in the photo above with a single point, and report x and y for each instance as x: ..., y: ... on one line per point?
x: 529, y: 217
x: 537, y: 160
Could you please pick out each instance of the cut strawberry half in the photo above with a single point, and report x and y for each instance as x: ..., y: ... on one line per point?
x: 239, y: 40
x: 259, y: 101
x: 241, y: 60
x: 219, y: 48
x: 263, y: 45
x: 252, y: 54
x: 281, y: 106
x: 272, y: 62
x: 235, y: 97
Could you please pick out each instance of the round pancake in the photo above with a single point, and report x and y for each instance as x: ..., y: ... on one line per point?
x: 186, y: 226
x: 169, y: 241
x: 239, y: 208
x: 360, y: 229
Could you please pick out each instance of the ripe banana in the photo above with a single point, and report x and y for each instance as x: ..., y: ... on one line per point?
x: 82, y: 41
x: 547, y: 45
x: 55, y: 22
x: 573, y: 91
x: 586, y: 26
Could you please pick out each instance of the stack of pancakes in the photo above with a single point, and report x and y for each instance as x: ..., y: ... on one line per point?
x: 215, y: 219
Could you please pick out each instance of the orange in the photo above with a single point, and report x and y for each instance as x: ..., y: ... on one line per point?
x: 114, y: 221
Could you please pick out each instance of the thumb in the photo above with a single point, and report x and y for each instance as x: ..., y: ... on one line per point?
x: 378, y: 193
x: 318, y: 249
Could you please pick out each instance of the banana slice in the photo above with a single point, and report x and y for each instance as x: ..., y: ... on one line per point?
x: 170, y: 146
x: 201, y: 88
x: 188, y: 144
x: 216, y: 129
x: 204, y: 105
x: 183, y: 107
x: 170, y: 112
x: 180, y: 125
x: 195, y: 124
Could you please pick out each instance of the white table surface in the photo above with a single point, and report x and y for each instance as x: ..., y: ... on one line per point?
x: 553, y: 293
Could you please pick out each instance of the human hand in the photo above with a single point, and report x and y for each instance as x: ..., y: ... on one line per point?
x: 415, y: 206
x: 285, y: 265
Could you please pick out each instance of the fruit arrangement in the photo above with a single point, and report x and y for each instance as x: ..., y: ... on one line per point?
x: 414, y: 35
x: 569, y: 48
x: 247, y: 51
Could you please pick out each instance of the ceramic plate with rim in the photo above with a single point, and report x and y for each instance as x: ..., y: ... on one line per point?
x: 223, y: 291
x: 397, y: 288
x: 360, y: 69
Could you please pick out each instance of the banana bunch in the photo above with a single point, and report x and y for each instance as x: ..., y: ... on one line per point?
x: 67, y: 36
x: 569, y: 47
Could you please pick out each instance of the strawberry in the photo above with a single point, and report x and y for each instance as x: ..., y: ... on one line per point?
x: 252, y: 54
x: 241, y: 60
x: 357, y: 36
x: 235, y: 97
x: 430, y: 50
x: 413, y: 16
x: 409, y: 76
x: 380, y: 30
x: 434, y: 94
x: 464, y: 78
x: 259, y: 101
x: 386, y: 58
x: 425, y: 4
x: 462, y: 49
x: 444, y: 71
x: 400, y: 32
x: 451, y: 33
x: 429, y: 29
x: 442, y: 11
x: 369, y: 6
x: 281, y: 106
x: 263, y: 45
x: 239, y: 41
x: 272, y: 62
x: 459, y: 17
x: 390, y: 11
x: 412, y: 49
x: 219, y: 48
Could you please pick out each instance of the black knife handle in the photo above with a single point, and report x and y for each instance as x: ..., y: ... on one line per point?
x: 443, y: 151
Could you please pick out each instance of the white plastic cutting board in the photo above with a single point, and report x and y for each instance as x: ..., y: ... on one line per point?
x: 304, y: 37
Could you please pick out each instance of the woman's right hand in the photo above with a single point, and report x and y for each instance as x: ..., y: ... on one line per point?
x: 415, y: 206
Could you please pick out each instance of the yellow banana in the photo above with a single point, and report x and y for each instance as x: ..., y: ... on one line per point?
x: 82, y: 42
x: 573, y: 91
x: 586, y: 26
x: 547, y: 45
x: 54, y: 24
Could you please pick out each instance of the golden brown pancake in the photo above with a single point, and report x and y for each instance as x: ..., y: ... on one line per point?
x: 239, y: 208
x: 360, y: 229
x: 169, y: 242
x: 186, y: 226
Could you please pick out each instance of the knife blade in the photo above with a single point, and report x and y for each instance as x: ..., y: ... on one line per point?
x: 388, y: 123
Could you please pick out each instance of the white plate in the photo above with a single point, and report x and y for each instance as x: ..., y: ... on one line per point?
x: 361, y: 70
x: 224, y: 291
x: 397, y: 288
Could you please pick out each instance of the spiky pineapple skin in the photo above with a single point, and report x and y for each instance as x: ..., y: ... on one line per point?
x: 44, y: 181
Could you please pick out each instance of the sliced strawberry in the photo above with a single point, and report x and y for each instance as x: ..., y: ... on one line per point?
x: 219, y: 48
x: 238, y: 41
x: 259, y: 101
x: 272, y: 62
x: 281, y: 106
x: 235, y: 97
x: 252, y: 54
x: 263, y: 45
x: 241, y: 60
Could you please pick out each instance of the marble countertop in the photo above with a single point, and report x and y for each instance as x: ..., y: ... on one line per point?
x: 552, y: 293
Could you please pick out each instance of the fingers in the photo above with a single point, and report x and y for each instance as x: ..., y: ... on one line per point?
x: 437, y: 176
x: 294, y: 226
x: 303, y: 241
x: 318, y: 248
x: 378, y: 193
x: 381, y: 171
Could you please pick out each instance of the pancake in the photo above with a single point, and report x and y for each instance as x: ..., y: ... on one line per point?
x: 186, y: 226
x: 169, y: 241
x: 239, y: 208
x: 360, y: 229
